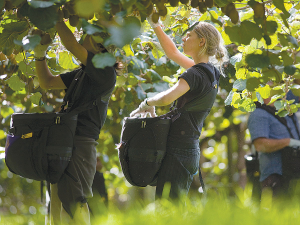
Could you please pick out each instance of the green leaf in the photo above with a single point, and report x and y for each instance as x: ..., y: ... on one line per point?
x: 66, y: 60
x: 16, y: 2
x: 90, y: 29
x: 128, y: 97
x: 280, y: 5
x: 240, y: 84
x: 284, y: 19
x: 123, y: 35
x: 278, y: 104
x: 161, y: 86
x: 140, y: 93
x: 271, y: 27
x: 293, y: 40
x: 283, y: 39
x: 43, y: 18
x: 264, y: 91
x: 6, y: 111
x: 2, y: 3
x: 222, y: 3
x: 156, y: 52
x: 267, y: 39
x: 257, y: 60
x: 247, y: 105
x: 252, y: 83
x: 283, y: 113
x: 29, y: 42
x: 154, y: 75
x: 274, y: 59
x: 236, y: 58
x: 41, y: 4
x: 15, y: 83
x: 146, y: 86
x: 11, y: 32
x: 36, y: 98
x: 290, y: 70
x: 259, y: 98
x: 244, y: 33
x: 102, y: 60
x: 228, y: 100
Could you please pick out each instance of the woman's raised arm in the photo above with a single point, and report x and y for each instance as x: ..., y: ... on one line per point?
x: 171, y: 50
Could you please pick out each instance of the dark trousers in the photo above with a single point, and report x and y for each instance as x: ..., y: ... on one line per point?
x: 277, y: 183
x: 178, y: 169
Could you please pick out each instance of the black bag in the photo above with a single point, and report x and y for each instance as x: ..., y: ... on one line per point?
x: 290, y: 158
x: 142, y: 148
x: 252, y: 165
x: 39, y: 145
x: 252, y: 169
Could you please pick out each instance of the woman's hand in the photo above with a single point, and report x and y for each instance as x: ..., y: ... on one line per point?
x: 40, y: 50
x: 143, y: 110
x: 152, y: 24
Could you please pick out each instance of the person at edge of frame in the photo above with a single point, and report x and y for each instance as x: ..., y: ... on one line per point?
x: 68, y: 203
x: 204, y: 44
x: 269, y: 136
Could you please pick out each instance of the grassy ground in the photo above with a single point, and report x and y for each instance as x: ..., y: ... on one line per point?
x: 214, y: 209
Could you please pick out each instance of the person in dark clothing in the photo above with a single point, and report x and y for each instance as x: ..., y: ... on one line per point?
x: 69, y: 195
x: 196, y: 89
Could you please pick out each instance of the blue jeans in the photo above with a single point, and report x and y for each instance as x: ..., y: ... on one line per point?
x: 178, y: 168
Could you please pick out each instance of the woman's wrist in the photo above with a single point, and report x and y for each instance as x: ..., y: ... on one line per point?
x: 40, y: 58
x: 146, y: 101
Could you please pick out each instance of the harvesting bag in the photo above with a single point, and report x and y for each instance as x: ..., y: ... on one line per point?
x: 39, y: 145
x: 142, y: 148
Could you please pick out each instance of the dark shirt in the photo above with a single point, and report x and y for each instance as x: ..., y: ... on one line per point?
x: 187, y: 128
x: 96, y: 82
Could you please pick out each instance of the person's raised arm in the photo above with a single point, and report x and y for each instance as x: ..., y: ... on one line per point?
x: 46, y: 79
x: 170, y: 48
x: 70, y: 42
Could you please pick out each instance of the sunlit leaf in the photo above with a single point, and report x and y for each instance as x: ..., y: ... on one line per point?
x: 264, y: 91
x: 6, y: 111
x: 229, y: 98
x: 66, y: 60
x: 36, y: 98
x: 240, y: 84
x: 15, y: 83
x: 280, y: 5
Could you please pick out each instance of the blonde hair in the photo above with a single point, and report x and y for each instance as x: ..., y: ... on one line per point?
x: 214, y: 46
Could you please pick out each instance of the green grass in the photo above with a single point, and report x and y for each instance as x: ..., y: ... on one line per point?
x: 214, y: 209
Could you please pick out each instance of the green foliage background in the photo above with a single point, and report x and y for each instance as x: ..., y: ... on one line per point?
x: 262, y: 47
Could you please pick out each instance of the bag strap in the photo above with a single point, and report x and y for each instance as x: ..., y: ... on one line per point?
x: 73, y: 92
x: 272, y: 111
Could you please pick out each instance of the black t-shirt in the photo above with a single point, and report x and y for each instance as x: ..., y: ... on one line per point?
x: 187, y: 128
x: 96, y: 82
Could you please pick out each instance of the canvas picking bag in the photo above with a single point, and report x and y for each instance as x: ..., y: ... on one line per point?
x: 39, y: 145
x: 142, y: 148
